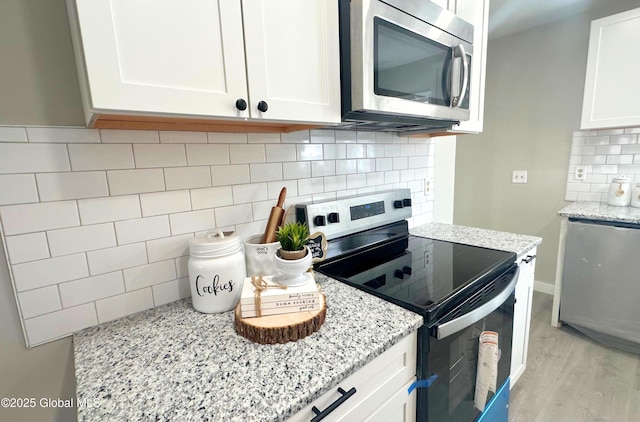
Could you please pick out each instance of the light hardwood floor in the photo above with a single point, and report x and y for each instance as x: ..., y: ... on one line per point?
x: 570, y: 378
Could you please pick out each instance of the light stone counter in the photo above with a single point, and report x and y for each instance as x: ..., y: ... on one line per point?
x: 173, y: 363
x: 601, y: 211
x: 518, y: 243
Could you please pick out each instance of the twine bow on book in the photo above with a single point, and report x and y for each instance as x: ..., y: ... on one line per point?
x: 261, y: 285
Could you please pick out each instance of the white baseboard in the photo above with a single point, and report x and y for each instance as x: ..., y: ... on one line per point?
x: 543, y: 287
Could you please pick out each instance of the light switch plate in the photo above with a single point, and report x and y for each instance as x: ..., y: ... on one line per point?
x: 519, y: 176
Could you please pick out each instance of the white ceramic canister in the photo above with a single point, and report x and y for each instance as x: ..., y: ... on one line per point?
x: 260, y: 256
x: 619, y: 192
x: 635, y: 195
x: 216, y: 271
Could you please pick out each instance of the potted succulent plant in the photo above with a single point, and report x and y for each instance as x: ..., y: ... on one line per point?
x: 293, y: 238
x: 293, y: 259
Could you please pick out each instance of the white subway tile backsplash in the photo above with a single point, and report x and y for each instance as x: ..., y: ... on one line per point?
x: 33, y: 158
x: 609, y: 132
x: 18, y: 219
x: 125, y: 304
x: 249, y: 193
x: 100, y: 157
x: 583, y: 150
x: 141, y: 229
x: 323, y: 168
x: 161, y: 155
x: 226, y: 138
x: 125, y: 182
x: 192, y: 221
x: 150, y: 274
x: 13, y: 134
x: 72, y: 185
x: 168, y: 248
x: 59, y: 324
x: 247, y: 154
x: 47, y: 272
x: 277, y: 153
x: 81, y: 239
x: 165, y: 202
x: 102, y: 210
x: 209, y: 154
x: 230, y: 175
x: 211, y: 197
x: 27, y: 247
x: 103, y: 225
x: 309, y: 152
x: 118, y: 258
x: 263, y: 138
x: 237, y: 214
x: 182, y: 137
x: 129, y: 136
x: 608, y: 169
x: 171, y: 291
x: 89, y: 289
x: 296, y: 170
x: 619, y: 159
x: 265, y: 172
x: 63, y: 135
x: 630, y: 149
x: 597, y: 140
x: 39, y: 301
x: 606, y: 149
x: 187, y: 177
x: 18, y: 189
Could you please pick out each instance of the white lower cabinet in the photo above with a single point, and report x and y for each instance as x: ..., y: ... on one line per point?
x: 522, y: 315
x: 380, y: 389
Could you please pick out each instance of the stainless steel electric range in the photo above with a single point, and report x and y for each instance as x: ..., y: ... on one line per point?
x: 460, y: 290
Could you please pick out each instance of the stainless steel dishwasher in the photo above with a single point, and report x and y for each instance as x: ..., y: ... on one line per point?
x: 601, y: 282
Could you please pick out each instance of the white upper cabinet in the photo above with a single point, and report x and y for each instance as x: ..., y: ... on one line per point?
x: 187, y: 59
x: 612, y: 83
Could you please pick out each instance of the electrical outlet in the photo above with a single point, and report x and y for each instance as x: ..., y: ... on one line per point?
x: 581, y: 173
x: 519, y: 176
x: 428, y: 186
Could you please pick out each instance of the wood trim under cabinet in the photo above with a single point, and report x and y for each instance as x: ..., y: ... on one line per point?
x: 113, y: 121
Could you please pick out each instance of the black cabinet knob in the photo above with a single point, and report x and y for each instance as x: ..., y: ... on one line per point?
x: 319, y: 220
x: 398, y: 274
x: 241, y: 104
x: 407, y: 270
x: 406, y: 202
x: 334, y: 217
x: 263, y: 106
x: 398, y: 204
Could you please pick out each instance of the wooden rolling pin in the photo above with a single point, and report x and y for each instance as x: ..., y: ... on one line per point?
x: 275, y: 218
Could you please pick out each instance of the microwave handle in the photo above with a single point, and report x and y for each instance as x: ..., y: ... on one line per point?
x: 455, y: 325
x: 456, y: 100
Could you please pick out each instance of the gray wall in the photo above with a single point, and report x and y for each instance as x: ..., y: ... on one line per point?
x: 38, y: 86
x: 533, y: 103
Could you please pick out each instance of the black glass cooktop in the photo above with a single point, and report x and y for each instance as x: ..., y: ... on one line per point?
x: 418, y: 273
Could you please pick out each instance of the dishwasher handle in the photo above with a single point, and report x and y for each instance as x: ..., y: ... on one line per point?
x: 455, y: 325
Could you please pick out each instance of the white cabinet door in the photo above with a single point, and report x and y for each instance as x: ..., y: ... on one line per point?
x: 161, y: 56
x: 475, y: 12
x: 522, y: 316
x: 612, y: 85
x: 293, y: 59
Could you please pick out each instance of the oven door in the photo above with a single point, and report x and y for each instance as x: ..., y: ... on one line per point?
x: 449, y: 356
x: 404, y: 65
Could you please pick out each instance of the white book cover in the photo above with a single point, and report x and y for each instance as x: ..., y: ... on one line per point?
x: 277, y: 293
x: 278, y: 311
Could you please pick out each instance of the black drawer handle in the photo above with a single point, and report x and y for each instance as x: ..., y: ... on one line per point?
x: 528, y: 259
x: 320, y: 415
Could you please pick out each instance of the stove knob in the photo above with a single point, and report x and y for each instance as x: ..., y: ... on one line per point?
x: 333, y: 217
x: 406, y: 202
x: 407, y: 270
x: 398, y: 204
x: 319, y: 220
x: 398, y: 274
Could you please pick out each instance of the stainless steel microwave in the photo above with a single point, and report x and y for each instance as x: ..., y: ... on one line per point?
x: 405, y: 65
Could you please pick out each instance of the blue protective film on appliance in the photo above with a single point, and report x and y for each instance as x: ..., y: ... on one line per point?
x: 423, y: 383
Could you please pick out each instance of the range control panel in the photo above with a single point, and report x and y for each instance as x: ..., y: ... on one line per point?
x: 340, y: 217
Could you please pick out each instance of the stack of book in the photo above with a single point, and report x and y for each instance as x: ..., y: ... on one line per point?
x: 275, y: 300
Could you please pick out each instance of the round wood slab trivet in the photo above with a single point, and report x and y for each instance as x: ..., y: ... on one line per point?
x: 282, y: 328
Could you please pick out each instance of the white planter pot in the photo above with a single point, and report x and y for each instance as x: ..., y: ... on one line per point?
x: 291, y: 272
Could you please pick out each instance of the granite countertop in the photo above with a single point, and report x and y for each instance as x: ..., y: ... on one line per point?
x: 601, y: 211
x: 174, y: 363
x: 518, y: 243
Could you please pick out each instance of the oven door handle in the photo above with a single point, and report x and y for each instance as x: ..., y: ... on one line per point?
x: 451, y: 327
